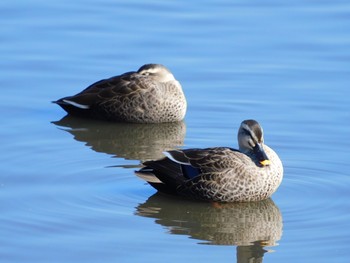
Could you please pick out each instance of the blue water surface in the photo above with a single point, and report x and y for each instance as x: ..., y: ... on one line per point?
x: 68, y: 191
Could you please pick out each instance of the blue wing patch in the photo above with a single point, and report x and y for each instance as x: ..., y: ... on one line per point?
x: 189, y: 171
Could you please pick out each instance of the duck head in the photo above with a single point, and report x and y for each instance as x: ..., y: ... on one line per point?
x: 157, y: 71
x: 251, y: 141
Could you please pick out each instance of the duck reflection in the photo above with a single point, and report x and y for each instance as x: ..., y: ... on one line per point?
x: 126, y: 140
x: 249, y: 226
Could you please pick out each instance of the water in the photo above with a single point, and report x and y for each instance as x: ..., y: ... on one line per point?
x: 67, y: 188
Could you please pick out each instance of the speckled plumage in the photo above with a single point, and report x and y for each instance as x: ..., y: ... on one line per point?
x: 150, y: 95
x: 222, y: 174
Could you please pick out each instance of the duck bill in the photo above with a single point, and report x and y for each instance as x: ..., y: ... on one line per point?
x: 260, y: 155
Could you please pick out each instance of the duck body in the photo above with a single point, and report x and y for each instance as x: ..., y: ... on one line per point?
x: 149, y: 95
x: 219, y: 174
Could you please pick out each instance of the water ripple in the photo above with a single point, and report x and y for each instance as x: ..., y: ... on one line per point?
x: 314, y: 199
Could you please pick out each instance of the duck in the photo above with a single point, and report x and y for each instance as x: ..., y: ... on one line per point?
x: 149, y: 95
x: 219, y: 174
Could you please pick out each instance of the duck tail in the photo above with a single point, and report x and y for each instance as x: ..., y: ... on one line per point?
x: 73, y: 108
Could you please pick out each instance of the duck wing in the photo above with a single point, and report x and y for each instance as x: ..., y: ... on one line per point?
x: 182, y: 168
x: 113, y: 89
x: 206, y: 160
x: 219, y: 168
x: 164, y: 175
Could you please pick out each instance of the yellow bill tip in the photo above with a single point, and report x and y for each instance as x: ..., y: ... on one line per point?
x: 265, y: 162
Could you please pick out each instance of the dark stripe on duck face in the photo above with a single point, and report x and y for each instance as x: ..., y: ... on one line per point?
x: 152, y: 67
x: 253, y: 129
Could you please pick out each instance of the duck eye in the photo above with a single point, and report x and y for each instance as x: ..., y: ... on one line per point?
x: 144, y: 72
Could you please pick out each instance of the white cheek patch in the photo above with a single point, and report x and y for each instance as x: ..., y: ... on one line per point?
x: 81, y: 106
x: 153, y: 70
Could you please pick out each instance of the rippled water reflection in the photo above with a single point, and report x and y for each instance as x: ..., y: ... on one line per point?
x: 68, y: 191
x: 249, y: 226
x: 126, y: 140
x: 241, y: 224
